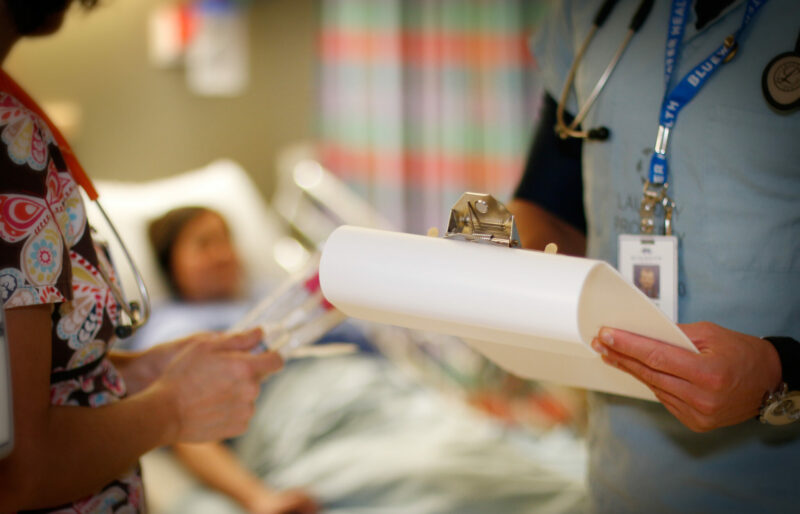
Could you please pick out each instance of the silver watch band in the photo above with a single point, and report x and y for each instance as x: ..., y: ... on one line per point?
x: 780, y: 407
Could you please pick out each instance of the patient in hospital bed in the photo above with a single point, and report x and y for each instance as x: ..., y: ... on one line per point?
x: 350, y: 433
x: 193, y: 246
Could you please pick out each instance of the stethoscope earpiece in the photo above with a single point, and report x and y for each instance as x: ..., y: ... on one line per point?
x: 123, y: 331
x: 599, y: 134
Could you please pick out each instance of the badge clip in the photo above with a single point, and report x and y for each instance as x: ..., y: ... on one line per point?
x: 653, y: 196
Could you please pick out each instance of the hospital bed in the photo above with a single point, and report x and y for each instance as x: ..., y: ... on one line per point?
x: 277, y: 239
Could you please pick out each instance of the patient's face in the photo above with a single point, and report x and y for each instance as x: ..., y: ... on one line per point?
x: 204, y: 261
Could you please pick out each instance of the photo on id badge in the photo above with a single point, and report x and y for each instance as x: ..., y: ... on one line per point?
x: 651, y: 264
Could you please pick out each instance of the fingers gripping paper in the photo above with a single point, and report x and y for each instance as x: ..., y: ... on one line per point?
x: 534, y: 314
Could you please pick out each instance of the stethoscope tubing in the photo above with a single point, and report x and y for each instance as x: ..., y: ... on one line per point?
x: 138, y: 313
x: 562, y: 128
x: 601, y: 82
x: 565, y: 130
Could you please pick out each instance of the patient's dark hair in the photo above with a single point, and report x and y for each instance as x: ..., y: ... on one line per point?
x: 31, y: 15
x: 163, y: 233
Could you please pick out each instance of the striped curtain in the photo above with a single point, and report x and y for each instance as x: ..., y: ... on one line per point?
x: 421, y: 100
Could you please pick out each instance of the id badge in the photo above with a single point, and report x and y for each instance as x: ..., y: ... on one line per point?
x: 651, y: 264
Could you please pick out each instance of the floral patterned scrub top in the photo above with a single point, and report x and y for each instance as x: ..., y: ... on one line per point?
x: 47, y: 256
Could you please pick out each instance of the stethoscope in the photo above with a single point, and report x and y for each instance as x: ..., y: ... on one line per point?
x: 137, y: 312
x: 601, y: 133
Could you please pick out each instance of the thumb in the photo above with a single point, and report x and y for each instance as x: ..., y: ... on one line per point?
x: 262, y: 364
x: 698, y: 334
x: 239, y: 341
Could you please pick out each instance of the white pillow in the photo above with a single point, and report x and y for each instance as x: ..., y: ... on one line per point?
x: 222, y: 185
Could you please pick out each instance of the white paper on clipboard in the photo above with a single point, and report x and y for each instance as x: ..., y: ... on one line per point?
x: 532, y: 313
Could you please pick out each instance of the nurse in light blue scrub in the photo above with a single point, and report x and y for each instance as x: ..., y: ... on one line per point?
x: 729, y: 149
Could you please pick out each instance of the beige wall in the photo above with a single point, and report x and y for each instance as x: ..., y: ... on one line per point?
x: 139, y: 122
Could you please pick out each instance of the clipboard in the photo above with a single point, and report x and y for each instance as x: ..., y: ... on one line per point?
x: 532, y: 313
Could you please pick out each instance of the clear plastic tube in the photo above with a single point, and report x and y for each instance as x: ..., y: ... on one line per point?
x: 290, y: 295
x: 295, y: 315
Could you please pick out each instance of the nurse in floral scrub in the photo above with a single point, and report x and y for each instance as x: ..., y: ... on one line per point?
x: 82, y: 414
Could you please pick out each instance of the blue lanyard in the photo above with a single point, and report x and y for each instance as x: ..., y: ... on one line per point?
x: 691, y: 84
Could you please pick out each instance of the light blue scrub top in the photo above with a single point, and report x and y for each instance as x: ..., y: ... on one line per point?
x: 735, y: 175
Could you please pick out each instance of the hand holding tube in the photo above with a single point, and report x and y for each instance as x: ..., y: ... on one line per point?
x: 213, y: 384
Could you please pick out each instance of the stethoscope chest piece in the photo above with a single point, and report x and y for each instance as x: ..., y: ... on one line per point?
x: 780, y: 81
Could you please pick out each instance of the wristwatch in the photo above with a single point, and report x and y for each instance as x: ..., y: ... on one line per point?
x: 782, y: 407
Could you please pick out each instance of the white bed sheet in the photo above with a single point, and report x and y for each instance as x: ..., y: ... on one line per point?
x: 364, y: 438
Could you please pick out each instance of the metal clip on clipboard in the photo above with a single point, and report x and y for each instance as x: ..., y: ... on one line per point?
x: 482, y: 219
